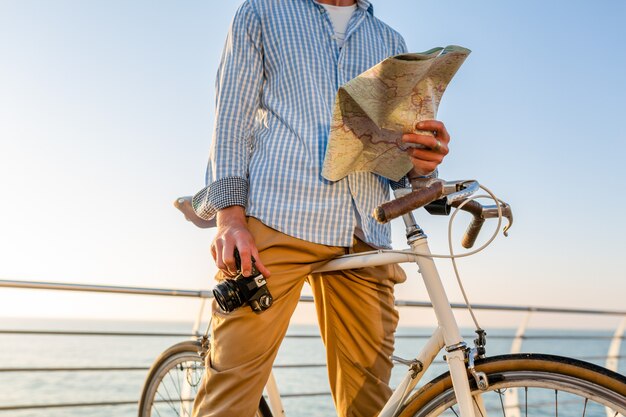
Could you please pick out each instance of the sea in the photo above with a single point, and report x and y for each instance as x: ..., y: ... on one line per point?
x: 40, y: 388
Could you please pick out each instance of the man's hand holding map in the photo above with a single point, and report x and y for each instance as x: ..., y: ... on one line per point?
x: 373, y: 110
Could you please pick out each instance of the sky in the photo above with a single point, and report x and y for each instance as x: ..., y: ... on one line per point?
x: 106, y: 112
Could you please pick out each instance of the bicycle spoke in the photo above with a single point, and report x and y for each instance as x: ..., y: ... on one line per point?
x: 182, y: 386
x: 179, y: 378
x: 585, y: 407
x: 526, y: 401
x: 455, y: 413
x: 168, y: 401
x: 172, y: 393
x: 556, y: 403
x: 184, y: 383
x: 184, y: 408
x: 501, y: 395
x: 175, y: 384
x: 178, y: 383
x: 478, y: 407
x: 169, y: 396
x: 157, y: 410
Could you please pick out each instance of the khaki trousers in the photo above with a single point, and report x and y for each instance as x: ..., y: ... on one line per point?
x: 357, y: 320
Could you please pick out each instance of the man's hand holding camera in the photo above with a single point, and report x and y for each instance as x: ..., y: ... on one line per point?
x: 233, y: 233
x: 230, y: 294
x: 236, y: 255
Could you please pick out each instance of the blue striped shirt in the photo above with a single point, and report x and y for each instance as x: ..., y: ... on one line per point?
x: 275, y: 90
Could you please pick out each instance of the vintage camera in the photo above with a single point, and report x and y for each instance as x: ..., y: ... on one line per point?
x: 231, y: 294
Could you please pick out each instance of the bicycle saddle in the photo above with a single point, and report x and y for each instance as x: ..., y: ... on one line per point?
x: 184, y: 205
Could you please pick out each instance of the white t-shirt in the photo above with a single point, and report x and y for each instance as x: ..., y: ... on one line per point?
x: 340, y: 16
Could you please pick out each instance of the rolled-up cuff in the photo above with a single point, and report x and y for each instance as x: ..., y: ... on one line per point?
x: 401, y: 183
x: 225, y: 192
x: 405, y: 182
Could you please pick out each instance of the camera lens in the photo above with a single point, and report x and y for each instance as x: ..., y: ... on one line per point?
x: 227, y: 295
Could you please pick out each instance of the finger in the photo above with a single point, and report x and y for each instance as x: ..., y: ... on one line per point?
x: 217, y: 247
x: 443, y: 134
x: 214, y: 251
x: 424, y: 167
x: 431, y: 125
x: 434, y: 145
x: 425, y: 155
x: 259, y: 265
x: 418, y: 139
x: 246, y: 262
x: 228, y: 258
x: 437, y: 147
x: 435, y: 126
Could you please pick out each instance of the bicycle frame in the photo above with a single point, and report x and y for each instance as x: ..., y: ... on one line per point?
x: 447, y: 335
x: 551, y: 373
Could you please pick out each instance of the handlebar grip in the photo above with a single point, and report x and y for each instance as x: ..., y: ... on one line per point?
x: 472, y: 232
x: 416, y: 199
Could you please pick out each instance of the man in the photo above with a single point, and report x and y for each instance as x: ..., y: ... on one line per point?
x: 281, y: 68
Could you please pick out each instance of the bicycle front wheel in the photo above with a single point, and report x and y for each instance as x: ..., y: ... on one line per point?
x: 173, y: 382
x: 523, y: 385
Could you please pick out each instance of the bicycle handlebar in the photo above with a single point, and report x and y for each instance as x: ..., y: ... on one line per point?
x: 455, y: 195
x: 414, y: 200
x: 475, y: 209
x: 425, y: 191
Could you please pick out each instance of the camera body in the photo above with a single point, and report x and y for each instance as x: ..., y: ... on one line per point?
x: 232, y: 293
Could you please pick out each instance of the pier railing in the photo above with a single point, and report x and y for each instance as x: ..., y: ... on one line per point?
x: 611, y: 358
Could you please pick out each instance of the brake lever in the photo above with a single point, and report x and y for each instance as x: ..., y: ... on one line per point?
x: 455, y: 191
x: 491, y: 211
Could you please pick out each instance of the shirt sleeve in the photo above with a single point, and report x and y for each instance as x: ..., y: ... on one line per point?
x: 237, y: 90
x: 401, y: 49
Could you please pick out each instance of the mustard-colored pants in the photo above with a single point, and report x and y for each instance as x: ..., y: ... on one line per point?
x: 357, y: 319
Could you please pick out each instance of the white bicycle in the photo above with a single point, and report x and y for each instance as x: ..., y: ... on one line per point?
x: 475, y: 386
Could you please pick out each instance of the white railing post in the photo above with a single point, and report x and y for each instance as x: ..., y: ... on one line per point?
x: 198, y: 322
x: 612, y: 358
x: 516, y: 345
x: 511, y: 399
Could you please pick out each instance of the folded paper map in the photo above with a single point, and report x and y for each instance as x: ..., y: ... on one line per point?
x: 373, y: 110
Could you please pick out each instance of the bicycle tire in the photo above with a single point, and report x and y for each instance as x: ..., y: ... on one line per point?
x: 177, y: 370
x: 585, y: 389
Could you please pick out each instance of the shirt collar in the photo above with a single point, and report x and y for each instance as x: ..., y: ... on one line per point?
x: 365, y: 5
x: 362, y: 4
